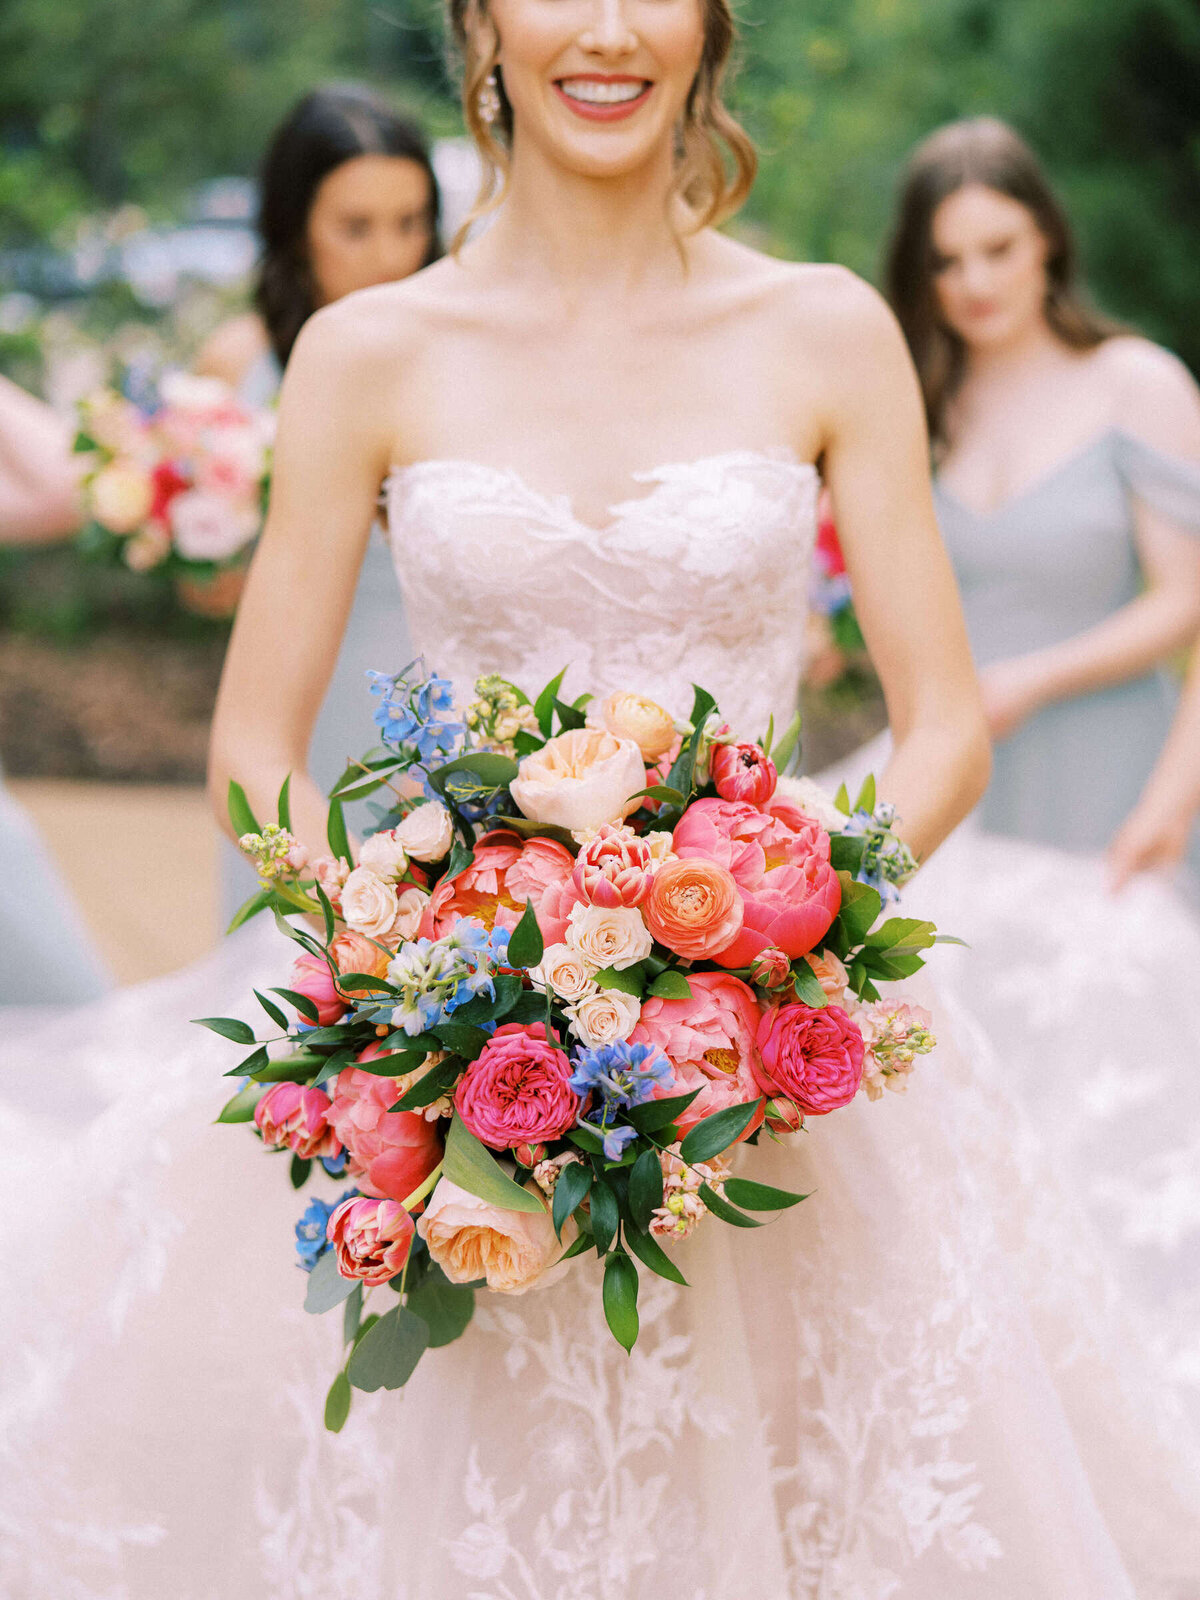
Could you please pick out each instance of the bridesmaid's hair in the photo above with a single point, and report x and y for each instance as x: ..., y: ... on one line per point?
x: 980, y: 150
x: 330, y: 126
x: 709, y: 134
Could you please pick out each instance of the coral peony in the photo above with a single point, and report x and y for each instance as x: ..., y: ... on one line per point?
x: 472, y: 1239
x: 391, y: 1152
x: 506, y: 873
x: 710, y: 1041
x: 296, y: 1117
x: 812, y: 1057
x: 518, y: 1089
x: 371, y: 1239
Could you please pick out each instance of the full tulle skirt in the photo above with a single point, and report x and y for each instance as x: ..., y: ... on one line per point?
x: 921, y: 1384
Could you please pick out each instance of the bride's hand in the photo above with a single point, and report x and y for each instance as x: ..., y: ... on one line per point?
x: 1152, y: 838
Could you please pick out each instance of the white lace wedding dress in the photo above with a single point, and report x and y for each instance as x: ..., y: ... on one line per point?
x: 916, y: 1386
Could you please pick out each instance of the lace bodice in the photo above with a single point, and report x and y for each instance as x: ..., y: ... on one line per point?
x: 703, y: 579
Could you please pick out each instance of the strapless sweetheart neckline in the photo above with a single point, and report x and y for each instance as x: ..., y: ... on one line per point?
x: 560, y: 507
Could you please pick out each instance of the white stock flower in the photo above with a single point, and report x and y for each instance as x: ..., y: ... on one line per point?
x: 608, y: 937
x: 604, y: 1017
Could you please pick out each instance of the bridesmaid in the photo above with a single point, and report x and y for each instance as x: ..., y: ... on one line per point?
x: 46, y: 955
x: 1068, y: 485
x: 348, y: 200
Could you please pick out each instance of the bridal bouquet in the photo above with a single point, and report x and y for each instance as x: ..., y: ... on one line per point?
x: 178, y: 482
x: 604, y: 947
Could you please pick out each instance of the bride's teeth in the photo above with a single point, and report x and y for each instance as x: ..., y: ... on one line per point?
x: 602, y: 94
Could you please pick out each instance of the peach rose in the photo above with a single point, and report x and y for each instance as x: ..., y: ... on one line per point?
x: 694, y: 908
x: 121, y: 497
x: 353, y: 952
x: 410, y: 914
x: 470, y: 1239
x: 371, y: 1239
x: 580, y: 779
x: 632, y: 716
x: 830, y: 974
x: 369, y: 903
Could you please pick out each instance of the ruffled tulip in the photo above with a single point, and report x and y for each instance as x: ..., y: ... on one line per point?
x: 614, y: 868
x: 297, y: 1118
x: 743, y: 772
x: 371, y: 1239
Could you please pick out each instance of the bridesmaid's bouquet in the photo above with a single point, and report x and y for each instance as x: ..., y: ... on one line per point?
x: 176, y: 482
x: 602, y: 949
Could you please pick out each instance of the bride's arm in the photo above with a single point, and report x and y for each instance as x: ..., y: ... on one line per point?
x: 331, y: 455
x: 876, y: 463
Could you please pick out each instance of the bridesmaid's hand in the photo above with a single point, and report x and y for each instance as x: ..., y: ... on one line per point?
x: 1012, y: 692
x: 1153, y: 837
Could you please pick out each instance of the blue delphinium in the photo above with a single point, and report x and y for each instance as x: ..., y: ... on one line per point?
x: 335, y: 1166
x: 417, y: 714
x: 887, y: 861
x: 436, y: 976
x: 622, y: 1075
x: 311, y: 1242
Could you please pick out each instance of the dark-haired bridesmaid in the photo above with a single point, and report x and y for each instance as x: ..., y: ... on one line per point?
x: 348, y: 200
x: 1068, y: 485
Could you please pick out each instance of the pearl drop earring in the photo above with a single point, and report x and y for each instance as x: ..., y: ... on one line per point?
x: 488, y: 103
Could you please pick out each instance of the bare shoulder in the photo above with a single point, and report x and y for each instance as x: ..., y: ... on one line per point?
x: 232, y: 348
x: 378, y: 329
x: 1154, y: 394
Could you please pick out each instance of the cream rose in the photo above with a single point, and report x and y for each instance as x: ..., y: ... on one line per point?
x: 470, y: 1239
x: 410, y: 908
x: 121, y: 497
x: 564, y: 972
x: 632, y: 716
x: 580, y: 779
x: 606, y: 937
x: 369, y: 903
x: 384, y: 854
x: 427, y: 833
x: 662, y: 848
x: 813, y: 801
x: 604, y: 1017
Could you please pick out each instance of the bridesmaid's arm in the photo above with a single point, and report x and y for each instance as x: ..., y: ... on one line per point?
x: 331, y: 455
x: 876, y: 462
x: 1157, y: 401
x: 1157, y: 830
x: 39, y: 477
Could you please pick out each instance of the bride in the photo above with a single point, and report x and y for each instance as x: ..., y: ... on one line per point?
x: 914, y: 1388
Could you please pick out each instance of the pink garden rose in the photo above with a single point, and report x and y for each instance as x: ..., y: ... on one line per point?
x: 709, y: 1039
x: 472, y: 1239
x: 580, y: 779
x: 506, y: 873
x: 311, y: 976
x: 743, y: 772
x: 371, y: 1239
x: 779, y: 858
x: 812, y: 1057
x: 614, y: 868
x: 297, y: 1117
x: 518, y: 1089
x: 208, y: 527
x: 391, y: 1152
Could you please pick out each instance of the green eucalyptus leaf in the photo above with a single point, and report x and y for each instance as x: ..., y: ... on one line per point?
x: 337, y: 1403
x: 306, y: 1007
x: 326, y: 1286
x: 651, y: 1254
x: 606, y: 1215
x: 232, y: 1028
x: 444, y: 1307
x: 272, y: 1010
x: 352, y: 1315
x: 760, y: 1196
x: 726, y: 1212
x: 656, y: 1114
x: 386, y: 1356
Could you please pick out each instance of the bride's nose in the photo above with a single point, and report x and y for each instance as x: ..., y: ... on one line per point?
x: 610, y: 31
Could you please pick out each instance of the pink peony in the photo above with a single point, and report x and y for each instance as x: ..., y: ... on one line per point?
x: 292, y: 1115
x: 506, y: 873
x: 614, y: 868
x: 710, y: 1041
x: 371, y: 1239
x: 311, y: 976
x: 391, y: 1152
x: 779, y: 858
x: 812, y: 1057
x: 518, y: 1089
x: 743, y: 772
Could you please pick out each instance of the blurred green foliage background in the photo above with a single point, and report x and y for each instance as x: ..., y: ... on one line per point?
x: 107, y: 101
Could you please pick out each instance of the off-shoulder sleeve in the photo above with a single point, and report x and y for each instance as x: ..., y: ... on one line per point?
x: 1167, y: 484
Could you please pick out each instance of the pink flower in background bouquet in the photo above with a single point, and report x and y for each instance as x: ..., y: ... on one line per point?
x: 177, y: 484
x: 558, y: 1000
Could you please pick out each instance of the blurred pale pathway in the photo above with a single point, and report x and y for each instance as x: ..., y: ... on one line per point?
x: 141, y: 862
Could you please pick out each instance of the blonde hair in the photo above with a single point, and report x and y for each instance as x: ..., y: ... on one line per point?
x: 710, y: 135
